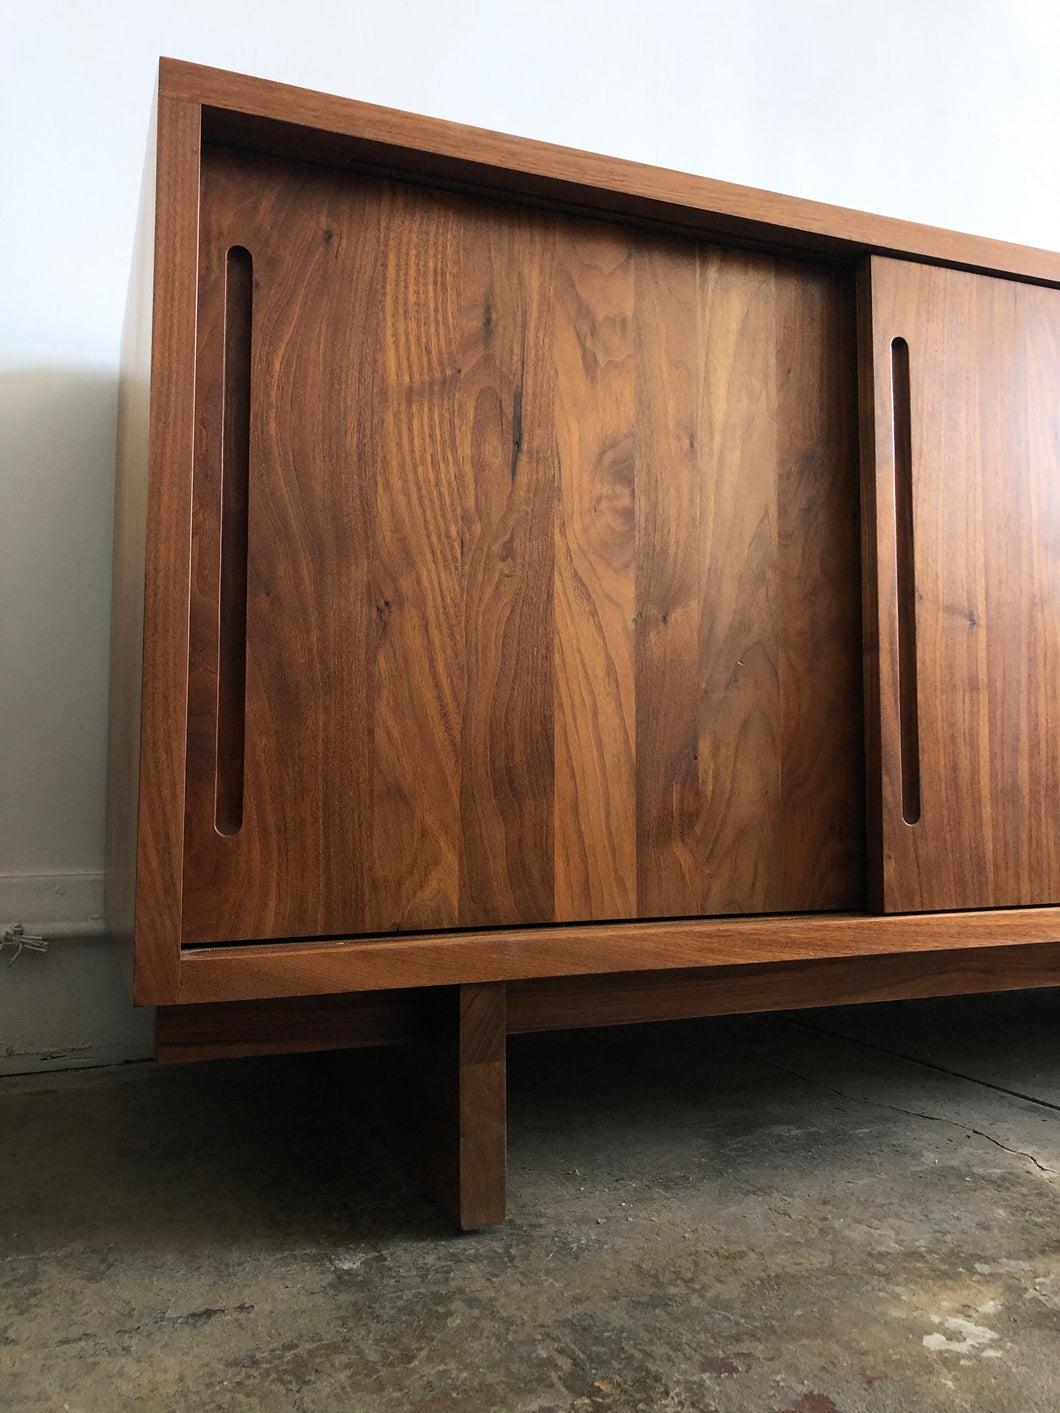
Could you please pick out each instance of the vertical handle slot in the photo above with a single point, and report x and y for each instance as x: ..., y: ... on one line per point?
x: 235, y: 477
x: 901, y: 414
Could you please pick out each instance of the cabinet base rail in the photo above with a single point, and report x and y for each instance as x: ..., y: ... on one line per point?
x: 451, y: 1039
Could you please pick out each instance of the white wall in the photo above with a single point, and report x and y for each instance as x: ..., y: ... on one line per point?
x: 943, y: 111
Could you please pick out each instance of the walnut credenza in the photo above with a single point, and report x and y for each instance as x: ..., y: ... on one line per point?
x: 551, y: 591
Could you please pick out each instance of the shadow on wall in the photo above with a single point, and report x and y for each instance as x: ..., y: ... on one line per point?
x: 69, y: 1006
x: 57, y: 492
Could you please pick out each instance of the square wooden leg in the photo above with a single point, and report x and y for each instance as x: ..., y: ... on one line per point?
x: 441, y: 1102
x: 478, y: 1193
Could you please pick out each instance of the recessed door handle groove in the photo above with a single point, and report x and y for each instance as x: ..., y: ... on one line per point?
x: 905, y: 573
x: 235, y: 486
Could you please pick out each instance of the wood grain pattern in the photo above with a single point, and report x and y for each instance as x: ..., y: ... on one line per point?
x: 127, y: 582
x: 749, y: 724
x: 878, y: 666
x: 415, y: 556
x: 441, y: 1102
x: 984, y: 364
x: 409, y: 725
x: 298, y: 1025
x: 315, y: 968
x: 300, y: 859
x: 524, y: 550
x: 551, y: 544
x: 822, y: 806
x: 294, y: 122
x: 507, y: 536
x: 739, y: 712
x: 595, y: 575
x: 162, y: 744
x: 1038, y: 409
x: 670, y: 605
x: 207, y: 1032
x: 482, y: 1105
x: 560, y: 1003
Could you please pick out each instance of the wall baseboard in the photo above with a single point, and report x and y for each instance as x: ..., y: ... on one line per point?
x: 65, y: 903
x: 69, y: 1007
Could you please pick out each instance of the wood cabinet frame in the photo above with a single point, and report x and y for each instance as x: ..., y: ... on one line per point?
x: 557, y: 975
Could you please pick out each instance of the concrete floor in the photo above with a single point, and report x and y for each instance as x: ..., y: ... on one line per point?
x: 828, y: 1212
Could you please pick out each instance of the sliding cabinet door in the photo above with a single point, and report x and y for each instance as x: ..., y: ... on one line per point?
x: 961, y: 442
x: 525, y: 568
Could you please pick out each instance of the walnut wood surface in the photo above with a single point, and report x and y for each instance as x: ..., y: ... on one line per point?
x: 551, y: 555
x: 441, y: 1101
x: 277, y: 118
x: 506, y: 954
x: 481, y: 1080
x: 558, y: 1003
x: 984, y: 369
x: 295, y: 1025
x: 127, y: 583
x: 266, y: 116
x: 158, y: 782
x: 304, y: 1023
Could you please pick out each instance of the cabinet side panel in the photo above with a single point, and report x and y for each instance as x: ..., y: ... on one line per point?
x: 159, y: 852
x: 127, y: 584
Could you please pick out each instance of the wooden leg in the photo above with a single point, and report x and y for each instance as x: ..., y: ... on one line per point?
x: 477, y: 1193
x: 446, y: 1112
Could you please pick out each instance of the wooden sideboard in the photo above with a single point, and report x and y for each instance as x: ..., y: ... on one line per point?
x: 551, y: 591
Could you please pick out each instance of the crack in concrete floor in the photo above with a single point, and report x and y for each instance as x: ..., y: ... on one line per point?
x: 916, y: 1113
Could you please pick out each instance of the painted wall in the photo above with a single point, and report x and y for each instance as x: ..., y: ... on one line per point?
x: 942, y: 111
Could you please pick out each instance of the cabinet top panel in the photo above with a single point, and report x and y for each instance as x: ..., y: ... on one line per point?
x: 295, y: 122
